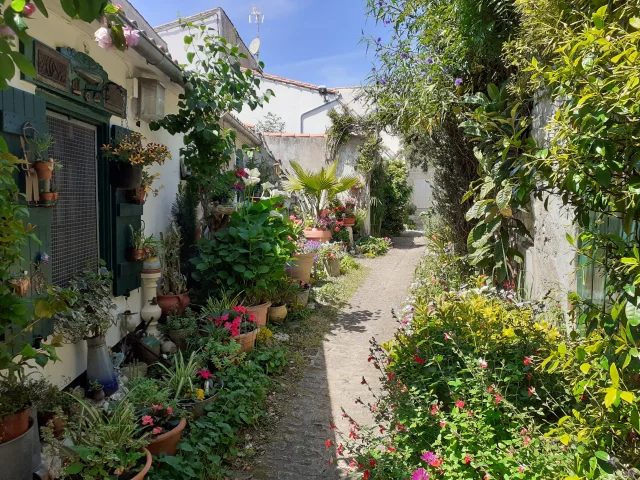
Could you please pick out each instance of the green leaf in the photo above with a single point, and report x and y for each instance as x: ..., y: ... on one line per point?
x: 74, y: 469
x: 504, y: 197
x: 7, y: 67
x: 602, y: 456
x: 585, y: 367
x: 3, y: 145
x: 565, y: 439
x: 632, y: 313
x: 610, y: 397
x: 28, y: 351
x: 494, y: 92
x: 69, y: 8
x: 603, y: 175
x: 42, y: 8
x: 615, y: 376
x: 635, y: 419
x: 635, y: 22
x: 23, y: 64
x: 42, y: 359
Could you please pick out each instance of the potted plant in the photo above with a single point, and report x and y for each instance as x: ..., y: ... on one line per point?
x: 16, y: 400
x: 284, y: 291
x: 128, y: 155
x: 96, y: 391
x: 180, y: 326
x: 302, y: 263
x: 53, y: 188
x: 204, y: 391
x: 350, y: 213
x: 319, y: 228
x: 331, y: 254
x: 103, y: 444
x: 173, y: 296
x: 164, y: 424
x: 53, y: 406
x: 43, y: 165
x: 89, y: 319
x: 301, y: 297
x: 139, y: 195
x: 240, y: 324
x: 138, y: 250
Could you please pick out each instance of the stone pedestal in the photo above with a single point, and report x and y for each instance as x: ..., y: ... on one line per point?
x: 150, y: 309
x: 350, y: 230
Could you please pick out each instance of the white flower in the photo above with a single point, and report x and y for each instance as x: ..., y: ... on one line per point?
x: 268, y: 186
x: 277, y: 193
x: 253, y: 176
x: 103, y: 37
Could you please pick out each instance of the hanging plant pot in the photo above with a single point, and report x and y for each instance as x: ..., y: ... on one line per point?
x: 137, y: 255
x: 137, y: 196
x: 261, y: 312
x: 173, y: 303
x: 278, y: 314
x: 44, y: 170
x: 301, y: 266
x: 168, y: 442
x: 349, y: 222
x: 319, y: 234
x: 247, y: 340
x: 14, y: 426
x: 125, y: 176
x: 16, y: 455
x: 99, y: 365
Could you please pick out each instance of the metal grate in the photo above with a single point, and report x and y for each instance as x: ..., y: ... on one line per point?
x: 74, y: 232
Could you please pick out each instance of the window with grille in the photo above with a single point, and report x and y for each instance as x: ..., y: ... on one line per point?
x: 74, y: 232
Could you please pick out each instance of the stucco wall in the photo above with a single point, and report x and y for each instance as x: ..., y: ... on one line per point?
x: 59, y: 31
x: 550, y: 260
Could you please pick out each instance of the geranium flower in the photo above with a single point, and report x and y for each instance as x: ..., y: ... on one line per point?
x: 147, y: 420
x: 169, y: 411
x: 527, y: 361
x: 420, y: 474
x: 460, y: 404
x: 157, y: 430
x: 447, y: 336
x: 418, y: 359
x: 527, y: 441
x: 252, y: 318
x: 206, y: 374
x: 467, y: 459
x: 442, y: 424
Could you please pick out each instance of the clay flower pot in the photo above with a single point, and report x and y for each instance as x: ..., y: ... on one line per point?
x: 349, y: 222
x: 261, y: 312
x: 47, y: 198
x: 247, y: 340
x: 173, y: 303
x: 302, y: 299
x: 168, y: 442
x: 136, y: 196
x: 301, y: 266
x: 319, y: 234
x: 13, y: 426
x: 44, y: 170
x: 278, y: 314
x: 137, y: 255
x: 147, y: 466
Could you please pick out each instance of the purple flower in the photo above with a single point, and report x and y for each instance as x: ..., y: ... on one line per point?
x: 373, y: 69
x: 430, y: 61
x: 430, y: 79
x: 404, y: 55
x: 420, y: 474
x: 380, y: 3
x: 44, y: 257
x: 379, y: 39
x: 458, y: 82
x: 398, y: 104
x: 382, y: 81
x: 427, y: 457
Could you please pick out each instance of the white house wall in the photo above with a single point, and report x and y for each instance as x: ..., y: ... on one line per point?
x: 60, y: 31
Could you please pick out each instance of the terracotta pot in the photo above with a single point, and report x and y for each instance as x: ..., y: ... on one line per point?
x: 332, y: 266
x: 125, y: 176
x: 349, y: 222
x: 44, y: 170
x: 173, y: 303
x: 147, y: 466
x: 178, y: 337
x: 247, y: 340
x: 261, y: 312
x: 13, y: 426
x: 301, y: 266
x: 320, y: 234
x: 55, y: 195
x: 47, y: 198
x: 278, y: 314
x: 136, y: 196
x: 137, y: 255
x: 168, y: 442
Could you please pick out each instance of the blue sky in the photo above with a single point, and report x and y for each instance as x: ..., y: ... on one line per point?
x: 314, y: 41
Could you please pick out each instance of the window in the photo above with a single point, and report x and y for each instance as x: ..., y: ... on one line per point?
x: 74, y: 230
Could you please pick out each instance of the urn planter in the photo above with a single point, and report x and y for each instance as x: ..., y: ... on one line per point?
x: 278, y: 314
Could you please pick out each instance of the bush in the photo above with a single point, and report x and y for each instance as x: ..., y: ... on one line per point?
x: 391, y: 197
x: 373, y: 247
x: 348, y: 264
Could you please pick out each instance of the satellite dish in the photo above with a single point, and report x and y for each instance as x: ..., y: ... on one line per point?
x: 254, y: 48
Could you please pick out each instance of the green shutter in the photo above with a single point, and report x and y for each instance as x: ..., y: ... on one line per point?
x: 126, y: 275
x: 17, y: 108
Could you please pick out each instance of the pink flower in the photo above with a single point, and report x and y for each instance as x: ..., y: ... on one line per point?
x: 252, y: 318
x: 460, y: 404
x: 527, y: 361
x: 6, y: 31
x: 157, y: 408
x: 434, y: 409
x: 132, y: 37
x: 206, y: 374
x: 29, y: 9
x: 147, y: 420
x: 427, y: 457
x: 532, y: 391
x: 467, y: 459
x: 169, y: 411
x: 420, y: 474
x: 103, y: 37
x: 157, y: 430
x: 442, y: 424
x: 527, y: 441
x: 224, y: 317
x: 497, y: 399
x: 482, y: 363
x: 447, y: 336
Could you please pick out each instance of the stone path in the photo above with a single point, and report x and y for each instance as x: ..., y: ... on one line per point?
x: 297, y: 449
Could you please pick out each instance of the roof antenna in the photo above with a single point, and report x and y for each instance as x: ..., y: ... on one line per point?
x: 256, y: 17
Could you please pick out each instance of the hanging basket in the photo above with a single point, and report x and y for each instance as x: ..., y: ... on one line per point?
x: 126, y: 176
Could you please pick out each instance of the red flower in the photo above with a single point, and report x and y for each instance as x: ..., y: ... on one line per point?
x: 206, y: 374
x: 434, y: 409
x: 370, y: 359
x: 340, y: 449
x: 532, y: 391
x: 147, y: 420
x: 527, y: 361
x: 436, y: 462
x: 331, y: 427
x: 497, y: 399
x: 460, y: 404
x: 157, y: 430
x: 372, y: 463
x: 391, y: 449
x: 467, y: 459
x: 328, y: 443
x: 363, y: 382
x: 366, y: 475
x: 527, y: 441
x: 418, y: 359
x: 442, y: 424
x: 169, y: 411
x: 252, y: 318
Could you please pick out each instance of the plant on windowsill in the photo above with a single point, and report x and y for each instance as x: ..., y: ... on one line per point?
x: 172, y: 294
x: 89, y: 318
x: 128, y: 155
x: 153, y: 248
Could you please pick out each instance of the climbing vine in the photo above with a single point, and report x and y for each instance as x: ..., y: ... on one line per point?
x: 346, y: 125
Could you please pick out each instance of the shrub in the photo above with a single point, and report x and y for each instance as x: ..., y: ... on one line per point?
x: 373, y: 247
x: 348, y: 264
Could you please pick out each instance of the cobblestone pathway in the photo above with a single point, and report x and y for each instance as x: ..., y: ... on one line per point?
x: 297, y: 449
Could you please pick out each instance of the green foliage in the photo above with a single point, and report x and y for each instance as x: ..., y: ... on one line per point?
x: 392, y: 194
x: 348, y: 124
x: 272, y: 356
x: 376, y: 247
x: 248, y: 257
x: 215, y: 85
x: 184, y: 212
x: 348, y: 264
x: 173, y: 281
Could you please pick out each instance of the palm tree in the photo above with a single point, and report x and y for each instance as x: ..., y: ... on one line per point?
x: 318, y: 188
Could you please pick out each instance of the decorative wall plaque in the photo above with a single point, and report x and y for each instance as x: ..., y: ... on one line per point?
x: 79, y: 77
x: 53, y: 69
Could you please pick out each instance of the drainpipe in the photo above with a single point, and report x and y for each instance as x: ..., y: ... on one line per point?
x: 311, y: 112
